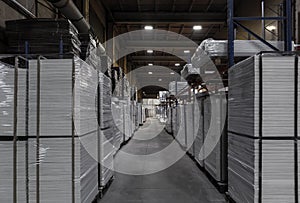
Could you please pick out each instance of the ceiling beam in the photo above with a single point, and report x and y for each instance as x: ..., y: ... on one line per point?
x: 156, y: 5
x: 191, y: 5
x: 208, y: 31
x: 209, y: 5
x: 168, y: 17
x: 138, y: 5
x: 121, y: 5
x: 174, y: 6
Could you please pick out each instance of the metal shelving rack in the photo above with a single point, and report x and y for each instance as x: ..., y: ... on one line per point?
x: 233, y: 21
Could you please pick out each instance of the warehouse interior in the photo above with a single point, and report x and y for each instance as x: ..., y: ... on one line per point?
x: 149, y: 101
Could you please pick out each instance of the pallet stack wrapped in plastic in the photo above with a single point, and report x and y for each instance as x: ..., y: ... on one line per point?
x: 199, y: 140
x: 13, y: 144
x: 215, y: 162
x: 118, y: 123
x: 106, y: 131
x: 242, y: 48
x: 62, y: 154
x: 263, y: 129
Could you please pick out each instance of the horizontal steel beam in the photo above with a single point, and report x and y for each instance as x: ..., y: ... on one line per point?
x: 168, y: 17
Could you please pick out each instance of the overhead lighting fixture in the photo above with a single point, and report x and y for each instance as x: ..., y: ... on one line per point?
x: 271, y: 27
x: 197, y: 27
x: 172, y: 73
x: 150, y: 73
x: 149, y: 51
x: 150, y: 64
x: 159, y: 80
x: 148, y: 27
x: 187, y: 51
x: 210, y: 72
x: 177, y: 64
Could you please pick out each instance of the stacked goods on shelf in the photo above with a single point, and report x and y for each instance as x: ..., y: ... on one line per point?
x: 199, y: 140
x: 188, y: 70
x: 7, y: 175
x: 174, y: 120
x: 88, y: 45
x: 62, y: 157
x: 59, y: 37
x: 242, y: 48
x: 140, y: 114
x: 169, y: 120
x: 7, y: 105
x: 178, y: 88
x: 133, y: 116
x: 118, y: 123
x: 215, y: 161
x: 180, y: 122
x: 189, y: 123
x: 144, y: 114
x: 262, y: 151
x: 106, y: 133
x: 105, y: 66
x: 7, y: 147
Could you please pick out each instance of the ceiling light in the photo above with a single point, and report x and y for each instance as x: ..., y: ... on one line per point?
x: 150, y: 64
x: 197, y: 27
x: 172, y: 73
x: 149, y: 51
x: 187, y: 51
x: 271, y: 27
x: 159, y: 80
x: 210, y: 72
x: 148, y: 27
x: 150, y: 73
x: 177, y: 64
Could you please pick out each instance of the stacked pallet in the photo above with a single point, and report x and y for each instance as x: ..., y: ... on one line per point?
x: 63, y: 160
x: 215, y: 148
x: 262, y: 161
x: 242, y: 48
x: 118, y: 123
x: 178, y: 88
x: 59, y: 37
x: 106, y: 132
x: 199, y: 140
x: 7, y: 105
x: 190, y: 126
x: 7, y: 147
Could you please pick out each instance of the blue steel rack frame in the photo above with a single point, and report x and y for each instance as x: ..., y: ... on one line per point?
x: 235, y: 21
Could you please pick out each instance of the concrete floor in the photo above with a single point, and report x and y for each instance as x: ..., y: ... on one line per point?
x: 182, y: 182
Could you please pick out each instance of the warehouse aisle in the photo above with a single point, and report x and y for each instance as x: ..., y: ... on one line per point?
x: 182, y: 182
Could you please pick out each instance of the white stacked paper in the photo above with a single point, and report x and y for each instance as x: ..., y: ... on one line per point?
x: 68, y: 90
x: 7, y: 168
x: 242, y: 48
x: 55, y: 168
x: 189, y: 117
x: 215, y: 109
x: 106, y: 154
x: 278, y: 82
x: 106, y: 117
x: 181, y: 134
x: 178, y: 88
x: 7, y: 89
x: 118, y: 123
x: 199, y: 140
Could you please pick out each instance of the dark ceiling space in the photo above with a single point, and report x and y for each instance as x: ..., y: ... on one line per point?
x: 178, y: 16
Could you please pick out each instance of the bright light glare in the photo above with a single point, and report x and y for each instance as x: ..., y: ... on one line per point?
x: 148, y: 27
x: 197, y: 27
